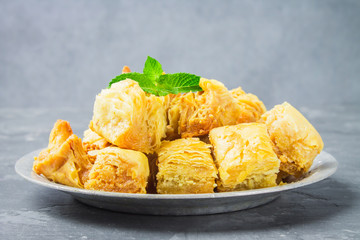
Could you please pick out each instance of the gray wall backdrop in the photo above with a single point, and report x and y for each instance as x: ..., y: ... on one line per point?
x: 60, y: 54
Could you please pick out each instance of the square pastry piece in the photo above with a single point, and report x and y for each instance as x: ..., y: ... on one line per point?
x: 195, y: 114
x: 119, y: 170
x: 296, y: 142
x: 185, y: 166
x: 244, y: 157
x: 129, y: 118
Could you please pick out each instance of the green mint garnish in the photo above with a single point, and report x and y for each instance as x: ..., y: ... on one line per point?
x: 153, y: 81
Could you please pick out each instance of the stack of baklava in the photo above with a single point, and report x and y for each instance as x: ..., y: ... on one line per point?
x: 213, y: 140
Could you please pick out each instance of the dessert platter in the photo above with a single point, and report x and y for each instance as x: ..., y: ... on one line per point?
x: 180, y: 144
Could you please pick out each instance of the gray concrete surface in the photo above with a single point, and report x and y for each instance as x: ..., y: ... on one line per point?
x: 55, y: 56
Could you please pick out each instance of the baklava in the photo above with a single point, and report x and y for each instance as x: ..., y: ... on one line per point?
x: 185, y: 166
x: 296, y: 142
x: 244, y: 157
x: 119, y: 170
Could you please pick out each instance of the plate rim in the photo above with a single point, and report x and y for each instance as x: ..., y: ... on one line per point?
x: 35, y: 178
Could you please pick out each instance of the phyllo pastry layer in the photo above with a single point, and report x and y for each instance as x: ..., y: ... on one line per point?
x: 296, y: 142
x: 251, y: 107
x: 119, y: 170
x: 244, y: 157
x: 129, y: 118
x: 185, y: 166
x: 64, y: 161
x: 195, y: 114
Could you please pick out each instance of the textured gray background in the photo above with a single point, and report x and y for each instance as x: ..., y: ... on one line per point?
x: 62, y: 53
x: 55, y: 56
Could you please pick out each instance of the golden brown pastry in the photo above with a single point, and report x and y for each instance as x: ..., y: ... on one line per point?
x: 64, y: 161
x: 92, y: 141
x: 251, y: 107
x: 296, y: 142
x: 156, y: 110
x: 119, y: 170
x: 124, y: 115
x: 244, y: 157
x: 185, y: 166
x: 195, y: 114
x: 173, y: 115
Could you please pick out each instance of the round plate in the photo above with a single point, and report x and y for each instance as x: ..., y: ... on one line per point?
x: 179, y: 204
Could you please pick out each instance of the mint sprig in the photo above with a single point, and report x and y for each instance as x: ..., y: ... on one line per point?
x: 153, y: 81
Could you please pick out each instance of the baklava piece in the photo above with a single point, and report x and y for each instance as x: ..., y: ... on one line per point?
x: 125, y: 115
x: 251, y: 107
x: 195, y: 114
x: 185, y: 166
x: 244, y: 157
x: 119, y: 170
x: 296, y: 142
x: 64, y: 161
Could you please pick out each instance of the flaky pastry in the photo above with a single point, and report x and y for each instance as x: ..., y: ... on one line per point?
x: 195, y: 114
x: 64, y: 161
x: 119, y: 170
x: 295, y: 140
x: 124, y: 115
x: 185, y: 166
x: 244, y: 157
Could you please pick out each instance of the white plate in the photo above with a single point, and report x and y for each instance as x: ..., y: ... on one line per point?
x: 179, y: 204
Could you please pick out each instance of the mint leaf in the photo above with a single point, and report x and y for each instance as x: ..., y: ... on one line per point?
x: 179, y: 82
x: 155, y: 82
x: 152, y: 68
x: 138, y: 77
x: 144, y: 82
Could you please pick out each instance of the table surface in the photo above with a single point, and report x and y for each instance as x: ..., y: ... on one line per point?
x: 329, y: 209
